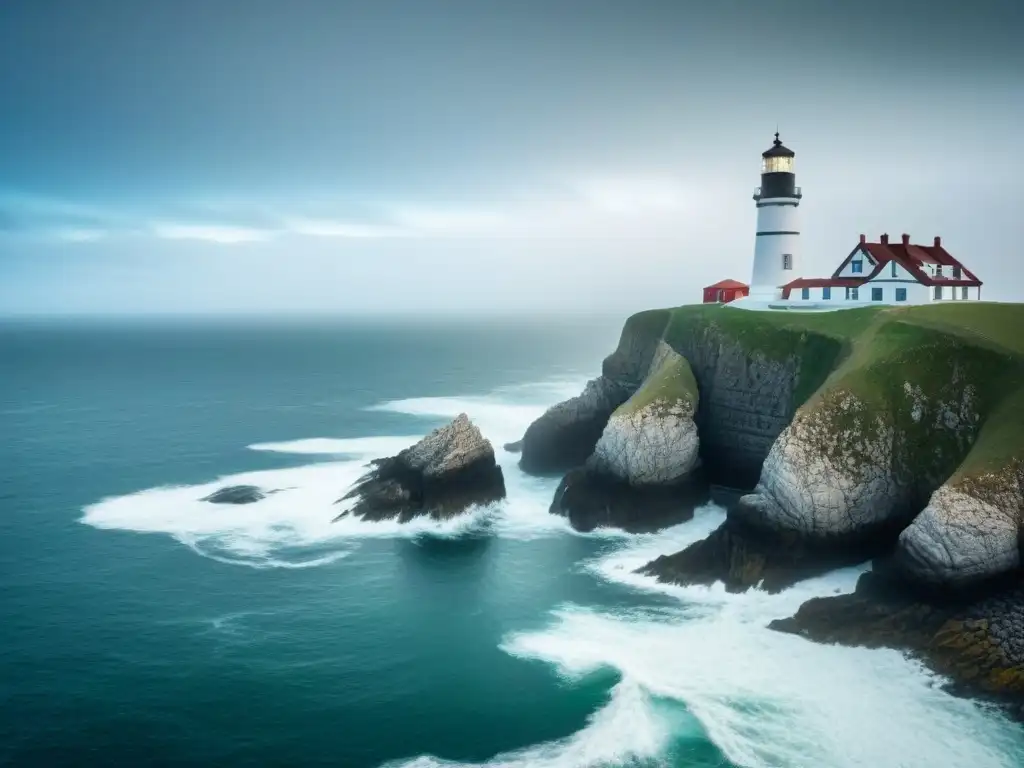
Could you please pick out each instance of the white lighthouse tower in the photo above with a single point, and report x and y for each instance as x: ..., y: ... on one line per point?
x: 777, y: 243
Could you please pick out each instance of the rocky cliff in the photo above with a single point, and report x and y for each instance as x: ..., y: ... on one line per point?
x: 651, y: 439
x: 861, y: 433
x: 642, y: 473
x: 565, y: 436
x: 892, y: 434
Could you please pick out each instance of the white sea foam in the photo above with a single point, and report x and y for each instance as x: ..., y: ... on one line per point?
x: 362, y: 447
x: 766, y: 698
x: 292, y: 527
x: 631, y: 727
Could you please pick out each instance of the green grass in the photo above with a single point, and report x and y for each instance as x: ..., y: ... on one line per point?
x: 876, y: 353
x: 672, y: 382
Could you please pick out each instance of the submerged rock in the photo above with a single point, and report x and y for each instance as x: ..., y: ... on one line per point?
x: 442, y: 475
x: 593, y: 500
x: 236, y: 494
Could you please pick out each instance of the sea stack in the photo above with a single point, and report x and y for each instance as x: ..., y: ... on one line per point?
x: 445, y: 473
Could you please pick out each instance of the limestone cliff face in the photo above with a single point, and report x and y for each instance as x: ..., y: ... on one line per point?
x: 968, y: 532
x: 879, y: 449
x: 746, y: 400
x: 565, y: 436
x: 830, y: 472
x: 651, y: 439
x: 862, y: 455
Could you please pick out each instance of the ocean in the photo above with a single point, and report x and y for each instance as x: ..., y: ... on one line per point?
x: 142, y: 626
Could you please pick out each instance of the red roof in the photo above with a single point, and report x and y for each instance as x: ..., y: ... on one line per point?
x: 728, y: 284
x: 913, y: 258
x: 824, y: 282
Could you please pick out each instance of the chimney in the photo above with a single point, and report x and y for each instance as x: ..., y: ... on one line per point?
x: 885, y: 239
x: 863, y: 239
x: 906, y: 239
x: 938, y: 241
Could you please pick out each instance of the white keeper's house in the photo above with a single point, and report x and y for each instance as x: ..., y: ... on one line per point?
x: 883, y: 272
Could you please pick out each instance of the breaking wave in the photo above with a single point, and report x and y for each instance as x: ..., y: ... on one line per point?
x: 699, y: 666
x: 765, y: 698
x: 292, y: 528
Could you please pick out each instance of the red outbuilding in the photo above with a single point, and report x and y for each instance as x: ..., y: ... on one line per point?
x: 725, y: 291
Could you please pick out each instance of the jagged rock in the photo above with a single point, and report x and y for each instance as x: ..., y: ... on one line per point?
x: 514, y: 447
x: 741, y: 557
x: 594, y: 500
x: 968, y: 532
x: 977, y: 640
x: 651, y: 438
x: 442, y: 475
x: 236, y: 494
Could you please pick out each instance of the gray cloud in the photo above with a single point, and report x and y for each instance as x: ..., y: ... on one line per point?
x: 508, y: 149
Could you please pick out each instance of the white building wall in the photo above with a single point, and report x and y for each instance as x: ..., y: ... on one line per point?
x: 867, y: 264
x: 770, y: 250
x: 889, y: 285
x: 954, y: 293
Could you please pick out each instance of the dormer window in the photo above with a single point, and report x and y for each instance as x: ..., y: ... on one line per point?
x: 938, y: 270
x: 957, y: 273
x: 857, y: 266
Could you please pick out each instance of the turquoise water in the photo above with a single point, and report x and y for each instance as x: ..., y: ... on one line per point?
x: 144, y: 627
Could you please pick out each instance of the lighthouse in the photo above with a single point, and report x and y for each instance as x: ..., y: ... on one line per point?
x: 777, y: 242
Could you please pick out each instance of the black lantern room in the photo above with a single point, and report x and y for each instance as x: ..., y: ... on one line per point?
x: 777, y: 171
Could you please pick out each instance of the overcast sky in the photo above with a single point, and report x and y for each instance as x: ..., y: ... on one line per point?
x: 469, y: 155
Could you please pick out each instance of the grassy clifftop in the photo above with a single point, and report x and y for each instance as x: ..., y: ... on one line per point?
x: 959, y: 361
x: 669, y: 384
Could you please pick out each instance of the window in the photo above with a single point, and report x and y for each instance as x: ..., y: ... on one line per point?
x: 852, y: 294
x: 787, y: 261
x: 963, y: 292
x: 957, y: 274
x: 826, y: 294
x: 938, y: 270
x: 805, y: 294
x: 901, y: 294
x: 938, y: 291
x: 895, y: 269
x: 857, y: 266
x: 876, y: 294
x: 777, y: 165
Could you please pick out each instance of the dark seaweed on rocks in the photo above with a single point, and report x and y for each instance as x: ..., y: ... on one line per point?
x: 975, y: 638
x: 593, y: 500
x: 743, y: 556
